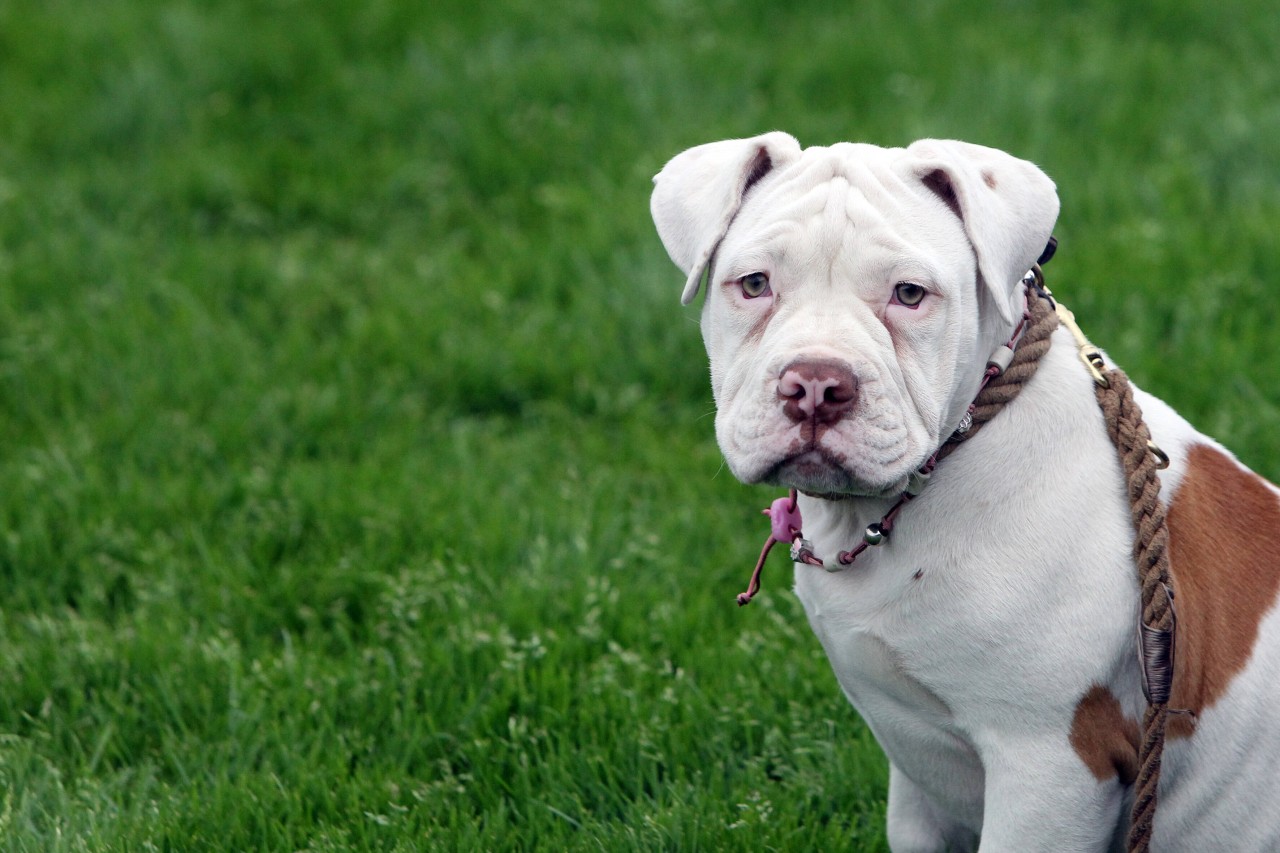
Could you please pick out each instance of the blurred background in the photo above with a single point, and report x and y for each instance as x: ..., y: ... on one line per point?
x: 357, y: 481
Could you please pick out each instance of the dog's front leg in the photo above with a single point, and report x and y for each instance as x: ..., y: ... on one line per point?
x: 1039, y: 796
x: 916, y: 825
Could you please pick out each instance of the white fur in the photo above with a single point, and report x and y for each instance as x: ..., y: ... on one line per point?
x: 1008, y: 588
x: 700, y: 195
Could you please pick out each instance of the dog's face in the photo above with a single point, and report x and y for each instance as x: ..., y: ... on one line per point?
x: 854, y: 295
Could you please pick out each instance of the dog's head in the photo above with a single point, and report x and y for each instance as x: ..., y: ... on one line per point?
x: 854, y: 295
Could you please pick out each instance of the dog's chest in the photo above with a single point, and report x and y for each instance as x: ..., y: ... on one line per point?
x: 916, y: 728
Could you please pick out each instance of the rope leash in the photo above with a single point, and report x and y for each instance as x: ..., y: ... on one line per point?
x: 1140, y: 459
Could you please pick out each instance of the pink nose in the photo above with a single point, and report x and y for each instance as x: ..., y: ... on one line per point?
x: 823, y: 390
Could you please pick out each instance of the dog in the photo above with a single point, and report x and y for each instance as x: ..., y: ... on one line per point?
x: 854, y: 295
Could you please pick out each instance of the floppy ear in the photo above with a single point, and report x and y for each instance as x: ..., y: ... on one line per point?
x: 1008, y: 207
x: 697, y: 194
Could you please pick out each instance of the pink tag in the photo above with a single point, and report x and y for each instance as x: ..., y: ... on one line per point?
x: 784, y: 518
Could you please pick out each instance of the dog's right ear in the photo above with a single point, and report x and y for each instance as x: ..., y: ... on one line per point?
x: 697, y: 194
x: 1008, y: 207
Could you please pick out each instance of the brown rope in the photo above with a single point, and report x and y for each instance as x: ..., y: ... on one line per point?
x: 1026, y: 359
x: 1150, y: 552
x: 1132, y: 439
x: 1129, y: 434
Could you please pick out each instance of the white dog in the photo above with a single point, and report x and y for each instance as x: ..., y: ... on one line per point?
x: 854, y: 294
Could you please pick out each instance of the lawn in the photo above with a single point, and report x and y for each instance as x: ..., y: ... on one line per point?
x: 357, y: 481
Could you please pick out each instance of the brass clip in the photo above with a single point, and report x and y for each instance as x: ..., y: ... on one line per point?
x: 1089, y: 354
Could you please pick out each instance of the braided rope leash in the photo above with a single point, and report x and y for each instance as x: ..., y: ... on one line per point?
x: 1156, y: 630
x: 1141, y: 459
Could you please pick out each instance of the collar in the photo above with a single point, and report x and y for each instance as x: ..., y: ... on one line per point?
x: 1037, y: 322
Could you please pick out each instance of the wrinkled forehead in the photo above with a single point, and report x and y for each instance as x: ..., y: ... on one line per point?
x: 828, y: 194
x: 868, y: 169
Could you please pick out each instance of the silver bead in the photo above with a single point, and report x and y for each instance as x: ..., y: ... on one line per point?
x: 874, y: 534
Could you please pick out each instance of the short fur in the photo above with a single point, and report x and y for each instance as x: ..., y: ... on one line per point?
x: 990, y: 645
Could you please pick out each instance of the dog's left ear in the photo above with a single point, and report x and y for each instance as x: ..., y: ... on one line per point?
x: 1008, y: 207
x: 697, y: 194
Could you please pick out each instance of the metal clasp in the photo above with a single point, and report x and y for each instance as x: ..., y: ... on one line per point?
x: 1162, y: 458
x: 1089, y: 354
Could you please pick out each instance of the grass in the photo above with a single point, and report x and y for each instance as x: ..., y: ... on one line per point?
x: 358, y: 486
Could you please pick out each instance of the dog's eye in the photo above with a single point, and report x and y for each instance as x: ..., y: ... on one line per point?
x: 908, y: 293
x: 754, y: 284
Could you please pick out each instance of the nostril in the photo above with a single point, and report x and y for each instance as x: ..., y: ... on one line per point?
x: 791, y: 386
x: 840, y: 393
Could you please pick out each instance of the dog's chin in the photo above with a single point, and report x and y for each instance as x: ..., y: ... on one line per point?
x: 816, y: 472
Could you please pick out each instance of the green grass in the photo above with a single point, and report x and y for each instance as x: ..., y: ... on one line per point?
x: 357, y: 484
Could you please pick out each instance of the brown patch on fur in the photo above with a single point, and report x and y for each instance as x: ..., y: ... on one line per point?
x: 1224, y: 553
x: 989, y: 178
x: 1104, y: 738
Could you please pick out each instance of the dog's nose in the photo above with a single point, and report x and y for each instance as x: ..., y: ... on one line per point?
x: 823, y: 390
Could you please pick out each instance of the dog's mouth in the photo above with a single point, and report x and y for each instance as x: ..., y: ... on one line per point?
x: 862, y: 455
x: 818, y: 471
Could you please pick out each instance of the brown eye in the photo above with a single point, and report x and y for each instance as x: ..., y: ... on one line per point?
x: 754, y: 284
x: 908, y: 293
